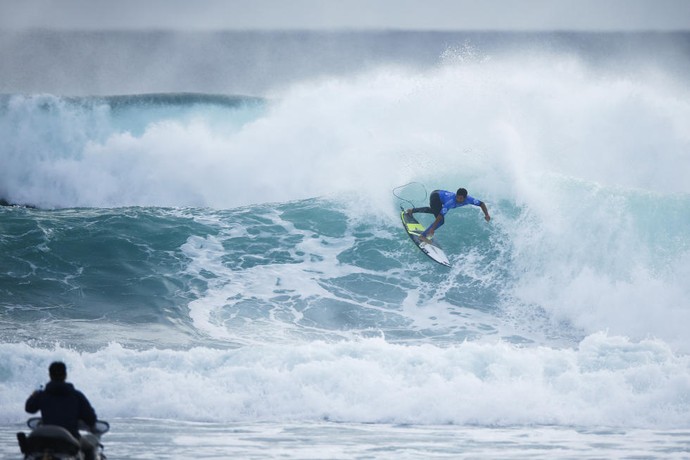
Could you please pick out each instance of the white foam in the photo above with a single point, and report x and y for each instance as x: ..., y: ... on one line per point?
x: 605, y: 381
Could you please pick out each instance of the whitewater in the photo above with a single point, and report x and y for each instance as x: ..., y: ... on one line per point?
x: 224, y: 272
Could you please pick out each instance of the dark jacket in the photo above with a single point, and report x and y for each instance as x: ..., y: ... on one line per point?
x: 61, y: 404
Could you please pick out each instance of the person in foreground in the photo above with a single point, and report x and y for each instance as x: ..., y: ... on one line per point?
x: 442, y: 201
x: 63, y: 405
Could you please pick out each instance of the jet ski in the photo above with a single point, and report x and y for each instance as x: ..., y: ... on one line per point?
x: 51, y: 442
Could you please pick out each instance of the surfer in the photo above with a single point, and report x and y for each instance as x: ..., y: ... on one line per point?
x: 442, y: 201
x: 63, y: 405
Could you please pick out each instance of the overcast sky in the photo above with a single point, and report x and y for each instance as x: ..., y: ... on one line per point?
x: 348, y: 14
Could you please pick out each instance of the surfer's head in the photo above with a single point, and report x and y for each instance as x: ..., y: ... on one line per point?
x: 460, y: 195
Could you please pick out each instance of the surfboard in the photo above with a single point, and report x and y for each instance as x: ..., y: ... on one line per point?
x: 431, y: 248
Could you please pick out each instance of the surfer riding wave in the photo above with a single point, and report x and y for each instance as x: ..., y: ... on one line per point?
x: 442, y: 201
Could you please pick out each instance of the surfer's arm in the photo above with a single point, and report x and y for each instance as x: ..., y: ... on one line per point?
x: 487, y: 217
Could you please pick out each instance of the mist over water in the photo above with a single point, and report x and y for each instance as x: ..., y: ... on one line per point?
x: 201, y: 238
x: 82, y: 63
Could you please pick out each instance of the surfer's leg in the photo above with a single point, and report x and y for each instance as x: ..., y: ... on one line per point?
x: 435, y: 204
x: 434, y: 207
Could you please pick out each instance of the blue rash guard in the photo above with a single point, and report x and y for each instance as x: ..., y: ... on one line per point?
x: 448, y: 202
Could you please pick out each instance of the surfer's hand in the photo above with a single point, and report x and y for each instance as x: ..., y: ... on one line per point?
x: 487, y: 217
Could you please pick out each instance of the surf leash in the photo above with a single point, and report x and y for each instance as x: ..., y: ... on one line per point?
x: 395, y: 192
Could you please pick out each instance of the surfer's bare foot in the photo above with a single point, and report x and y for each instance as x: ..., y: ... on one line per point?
x: 408, y: 212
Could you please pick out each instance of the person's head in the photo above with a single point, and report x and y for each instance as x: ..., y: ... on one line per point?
x: 460, y: 195
x: 58, y: 371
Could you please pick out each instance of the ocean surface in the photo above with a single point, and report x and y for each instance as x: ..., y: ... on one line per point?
x: 207, y: 233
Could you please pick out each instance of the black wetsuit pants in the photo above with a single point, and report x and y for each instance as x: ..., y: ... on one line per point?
x: 434, y: 207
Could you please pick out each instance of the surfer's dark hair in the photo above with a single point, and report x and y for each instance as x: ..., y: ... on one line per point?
x: 462, y: 191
